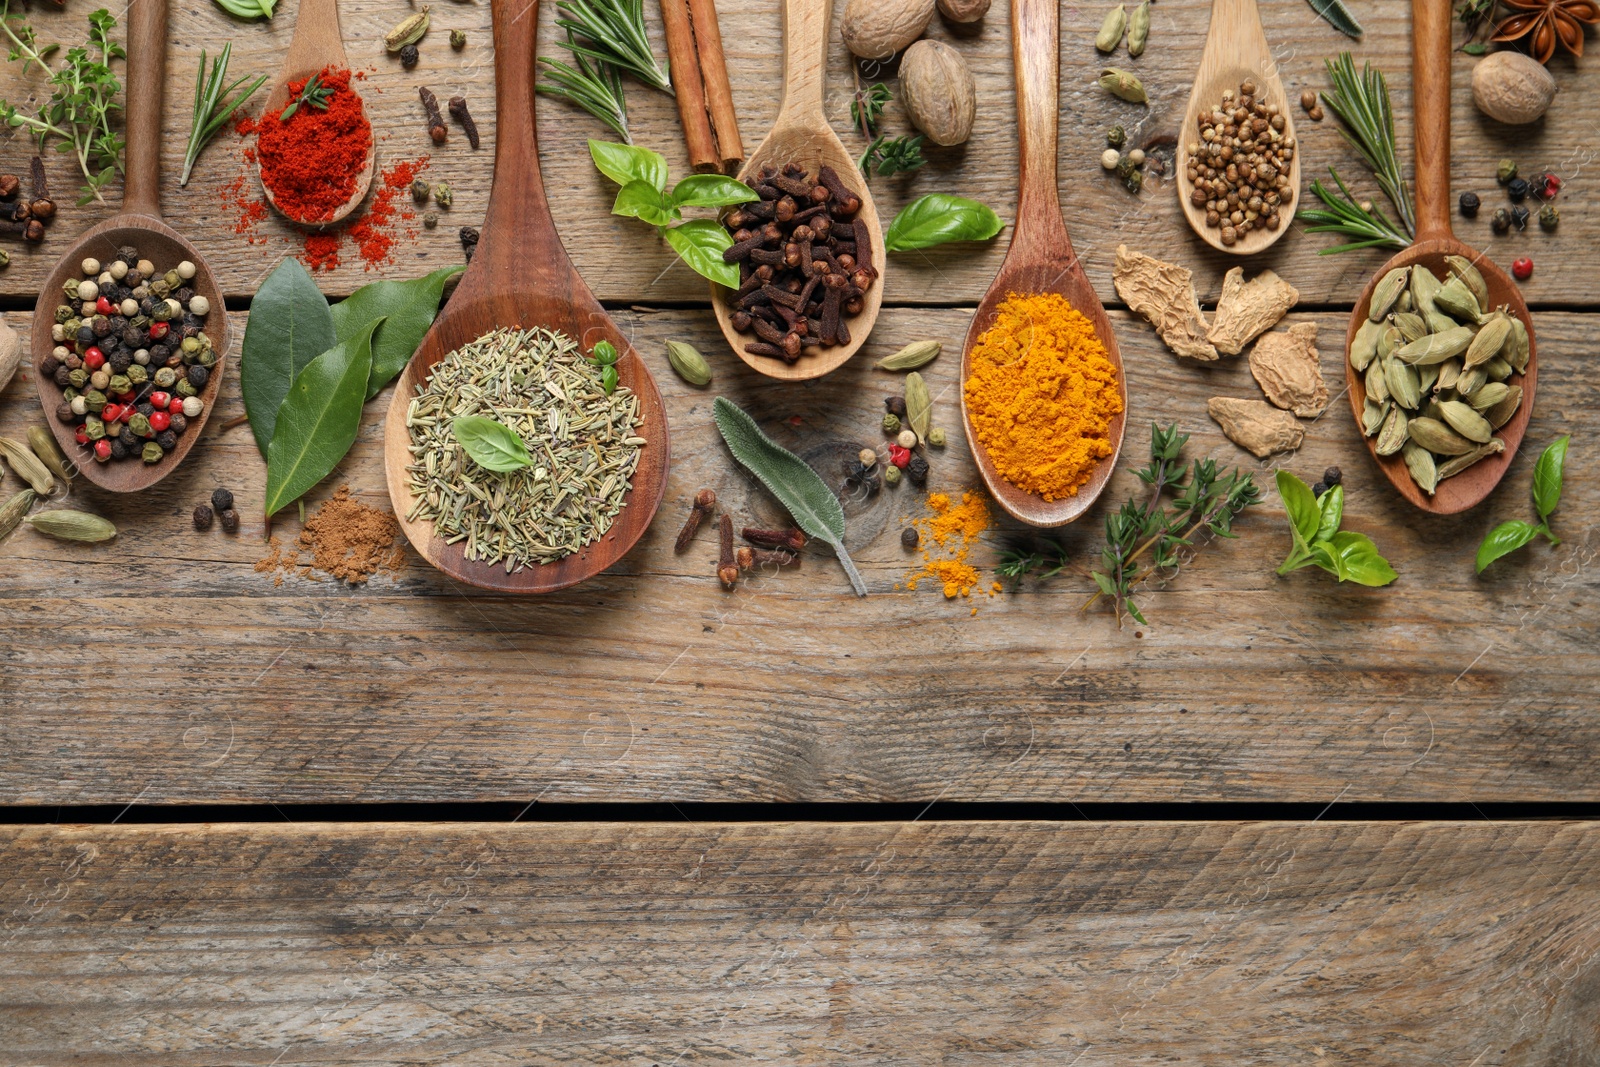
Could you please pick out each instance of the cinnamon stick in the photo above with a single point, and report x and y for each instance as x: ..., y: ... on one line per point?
x: 684, y: 64
x: 714, y: 75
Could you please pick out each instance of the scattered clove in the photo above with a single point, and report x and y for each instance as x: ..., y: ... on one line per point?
x: 727, y: 567
x: 705, y: 502
x: 436, y: 126
x: 8, y: 186
x: 788, y: 540
x: 749, y: 558
x: 459, y: 112
x: 469, y: 241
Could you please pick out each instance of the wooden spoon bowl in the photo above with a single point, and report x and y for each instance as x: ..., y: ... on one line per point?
x: 1430, y: 74
x: 1041, y: 258
x: 1236, y: 51
x: 801, y: 134
x: 139, y: 225
x: 316, y: 45
x: 520, y: 276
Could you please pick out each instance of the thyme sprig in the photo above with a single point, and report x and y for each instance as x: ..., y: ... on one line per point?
x: 312, y: 94
x: 24, y: 43
x: 866, y: 107
x: 1361, y: 104
x: 1043, y: 558
x: 212, y: 108
x: 885, y: 156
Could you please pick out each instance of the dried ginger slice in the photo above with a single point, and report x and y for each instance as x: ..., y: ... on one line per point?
x: 1286, y: 366
x: 1164, y: 294
x: 1256, y: 425
x: 1246, y: 310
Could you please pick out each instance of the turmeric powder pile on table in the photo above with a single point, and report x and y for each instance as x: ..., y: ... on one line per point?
x: 947, y: 536
x: 1042, y: 395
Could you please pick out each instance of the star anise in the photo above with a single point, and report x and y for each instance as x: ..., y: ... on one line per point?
x: 1548, y: 23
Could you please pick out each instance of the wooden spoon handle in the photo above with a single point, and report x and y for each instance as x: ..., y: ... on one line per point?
x: 805, y: 59
x: 1036, y: 55
x: 1430, y: 90
x: 147, y: 75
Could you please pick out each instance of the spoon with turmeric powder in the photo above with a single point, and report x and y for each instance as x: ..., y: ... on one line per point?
x: 1044, y: 456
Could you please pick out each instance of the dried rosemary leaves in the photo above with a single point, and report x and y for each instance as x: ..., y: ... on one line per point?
x: 582, y: 444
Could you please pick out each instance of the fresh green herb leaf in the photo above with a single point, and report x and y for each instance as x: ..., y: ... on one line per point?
x: 24, y: 42
x: 1369, y: 226
x: 641, y: 200
x: 711, y: 190
x: 290, y: 324
x: 319, y: 420
x: 604, y: 356
x: 491, y: 445
x: 798, y: 488
x: 1318, y: 541
x: 1331, y: 504
x: 1352, y: 557
x: 407, y: 309
x: 613, y: 32
x: 212, y: 108
x: 897, y: 156
x: 1042, y: 559
x: 1503, y: 540
x: 1305, y: 518
x: 1361, y: 104
x: 595, y: 87
x: 700, y: 244
x: 866, y: 107
x: 249, y: 9
x: 1474, y: 48
x: 937, y: 218
x: 624, y: 163
x: 312, y: 94
x: 1547, y: 475
x: 1338, y: 16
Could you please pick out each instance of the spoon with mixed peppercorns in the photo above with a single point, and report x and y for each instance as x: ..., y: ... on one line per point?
x: 103, y: 335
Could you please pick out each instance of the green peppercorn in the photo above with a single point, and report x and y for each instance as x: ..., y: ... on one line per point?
x: 65, y: 314
x: 458, y: 39
x: 936, y: 437
x: 79, y: 377
x: 420, y: 191
x: 1506, y: 171
x: 152, y: 453
x: 1116, y: 137
x: 121, y: 383
x: 94, y: 427
x: 137, y: 375
x: 1549, y: 217
x: 191, y: 344
x: 891, y: 475
x: 442, y: 195
x: 140, y: 425
x: 185, y: 388
x: 94, y: 400
x: 166, y: 377
x: 891, y: 423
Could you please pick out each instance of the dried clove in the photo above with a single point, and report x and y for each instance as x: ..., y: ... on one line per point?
x: 727, y: 567
x: 788, y: 540
x: 458, y: 111
x: 749, y: 558
x: 469, y: 241
x: 436, y: 126
x: 705, y: 502
x: 8, y: 186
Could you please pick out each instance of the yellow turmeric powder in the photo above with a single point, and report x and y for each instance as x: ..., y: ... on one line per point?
x: 1042, y: 395
x: 951, y: 530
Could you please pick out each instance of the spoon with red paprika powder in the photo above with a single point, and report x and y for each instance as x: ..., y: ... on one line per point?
x: 520, y: 276
x: 139, y: 226
x: 315, y: 164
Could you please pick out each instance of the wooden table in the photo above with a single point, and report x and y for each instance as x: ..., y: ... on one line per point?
x: 164, y: 669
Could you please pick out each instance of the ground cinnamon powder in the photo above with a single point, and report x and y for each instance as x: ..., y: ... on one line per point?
x: 949, y: 532
x: 344, y: 538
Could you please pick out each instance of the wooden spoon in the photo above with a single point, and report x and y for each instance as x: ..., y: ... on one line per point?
x: 801, y: 134
x: 1040, y: 259
x: 139, y: 225
x: 1430, y: 89
x: 520, y: 276
x: 316, y: 45
x: 1236, y: 52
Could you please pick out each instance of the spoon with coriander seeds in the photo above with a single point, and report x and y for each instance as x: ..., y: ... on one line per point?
x: 1040, y: 312
x: 314, y: 85
x: 526, y: 445
x: 807, y: 229
x: 1238, y: 83
x: 128, y: 395
x: 1446, y: 447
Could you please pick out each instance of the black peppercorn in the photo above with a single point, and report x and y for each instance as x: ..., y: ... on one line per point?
x: 167, y: 440
x: 48, y: 365
x: 896, y: 405
x: 178, y: 422
x: 469, y: 241
x: 118, y: 449
x: 917, y: 471
x: 1501, y: 221
x: 1469, y: 205
x: 230, y: 521
x: 128, y: 254
x: 1318, y: 489
x: 222, y: 500
x: 129, y: 439
x: 99, y: 326
x: 63, y: 377
x: 120, y: 360
x: 1519, y: 218
x: 409, y: 56
x: 1333, y: 476
x: 909, y: 538
x: 85, y: 335
x: 183, y: 296
x: 198, y: 376
x: 64, y: 413
x: 202, y: 517
x: 1517, y: 190
x: 145, y: 408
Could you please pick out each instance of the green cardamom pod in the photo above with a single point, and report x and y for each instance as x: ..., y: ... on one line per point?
x: 1501, y: 413
x: 1449, y: 374
x: 73, y: 525
x: 43, y: 443
x: 1451, y: 467
x: 1364, y: 345
x: 1139, y: 29
x: 1373, y: 415
x: 1488, y: 395
x: 919, y: 406
x: 1412, y: 326
x: 1497, y: 369
x: 1465, y: 421
x: 408, y: 32
x: 1519, y: 348
x: 1436, y: 347
x: 1419, y: 461
x: 1377, y: 385
x: 1110, y: 35
x: 1393, y: 434
x: 1424, y: 287
x: 1386, y: 294
x: 1427, y: 374
x: 1462, y: 267
x: 689, y: 363
x: 1389, y: 339
x: 1457, y: 301
x: 12, y: 511
x: 1471, y: 379
x: 27, y: 466
x: 1403, y: 383
x: 1122, y: 85
x: 1490, y: 338
x: 914, y: 355
x: 1436, y: 437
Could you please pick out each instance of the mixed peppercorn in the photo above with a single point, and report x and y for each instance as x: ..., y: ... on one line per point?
x: 131, y: 356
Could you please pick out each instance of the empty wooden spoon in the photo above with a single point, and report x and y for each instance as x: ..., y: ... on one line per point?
x: 1430, y: 90
x: 801, y: 134
x: 520, y: 276
x: 138, y: 225
x: 316, y: 45
x: 1040, y: 259
x: 1236, y: 52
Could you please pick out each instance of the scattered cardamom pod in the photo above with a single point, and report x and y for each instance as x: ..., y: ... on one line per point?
x: 1139, y: 29
x: 689, y: 364
x: 43, y: 443
x: 914, y: 355
x: 12, y: 511
x: 27, y: 466
x: 919, y: 406
x: 409, y: 31
x: 1111, y: 30
x: 1123, y: 85
x: 72, y: 525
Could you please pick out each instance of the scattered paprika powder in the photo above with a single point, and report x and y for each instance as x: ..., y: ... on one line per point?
x: 310, y: 162
x: 1042, y: 395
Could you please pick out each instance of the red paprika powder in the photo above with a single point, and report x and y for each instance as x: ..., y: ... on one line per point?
x: 310, y: 163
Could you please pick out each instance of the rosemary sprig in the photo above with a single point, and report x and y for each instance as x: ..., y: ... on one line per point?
x: 592, y: 85
x: 866, y: 107
x: 212, y: 108
x: 313, y: 94
x: 1363, y: 221
x: 613, y: 32
x: 886, y: 156
x: 1042, y: 559
x: 1361, y: 104
x: 24, y: 44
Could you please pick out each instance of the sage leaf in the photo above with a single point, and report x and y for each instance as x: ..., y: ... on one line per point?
x: 1331, y: 506
x: 1547, y: 476
x: 491, y: 445
x: 641, y: 200
x: 1338, y: 16
x: 319, y: 419
x: 919, y: 406
x: 408, y: 308
x: 700, y: 244
x: 937, y: 218
x: 624, y: 163
x: 290, y: 324
x: 798, y: 488
x: 711, y: 190
x: 1503, y: 540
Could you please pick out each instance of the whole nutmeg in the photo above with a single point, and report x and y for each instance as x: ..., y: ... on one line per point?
x: 1512, y: 88
x: 938, y: 90
x: 963, y: 10
x: 877, y: 29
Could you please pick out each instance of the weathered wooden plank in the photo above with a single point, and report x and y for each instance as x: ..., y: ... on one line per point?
x: 163, y: 666
x: 957, y: 944
x: 623, y: 262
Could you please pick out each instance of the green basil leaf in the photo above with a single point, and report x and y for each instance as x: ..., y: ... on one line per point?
x: 289, y: 326
x: 1355, y: 558
x: 700, y: 244
x: 798, y: 488
x: 939, y: 217
x: 319, y: 419
x: 491, y: 445
x: 711, y: 190
x: 1502, y: 540
x: 1331, y: 506
x: 407, y: 309
x: 641, y: 200
x: 624, y: 163
x: 1547, y: 474
x: 1305, y: 518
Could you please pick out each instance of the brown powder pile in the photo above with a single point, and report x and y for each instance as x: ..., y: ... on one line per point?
x: 345, y: 539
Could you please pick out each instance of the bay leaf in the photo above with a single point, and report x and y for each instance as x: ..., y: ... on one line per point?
x: 319, y: 419
x: 408, y: 308
x: 289, y: 326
